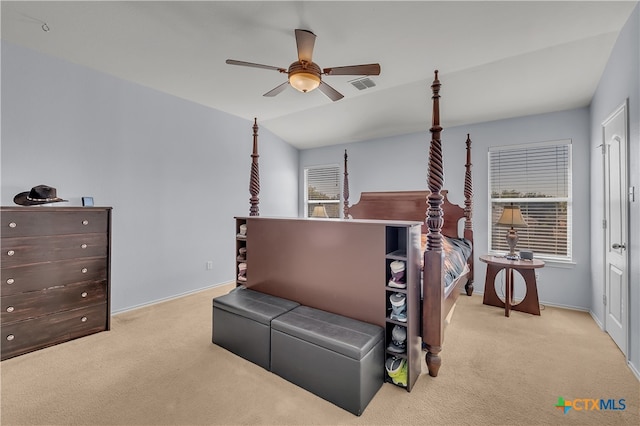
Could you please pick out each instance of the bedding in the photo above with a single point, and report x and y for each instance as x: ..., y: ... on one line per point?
x: 456, y: 252
x: 455, y: 255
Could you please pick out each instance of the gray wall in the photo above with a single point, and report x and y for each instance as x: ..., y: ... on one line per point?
x: 619, y: 82
x: 175, y: 173
x: 400, y: 163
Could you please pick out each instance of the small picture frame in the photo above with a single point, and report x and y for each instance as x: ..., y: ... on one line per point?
x: 87, y: 201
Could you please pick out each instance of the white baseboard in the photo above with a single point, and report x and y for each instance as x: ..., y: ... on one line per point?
x: 559, y: 305
x: 166, y: 299
x: 634, y: 370
x: 543, y: 303
x: 597, y: 320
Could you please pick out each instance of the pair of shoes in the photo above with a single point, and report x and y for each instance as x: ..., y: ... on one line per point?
x: 397, y: 275
x: 242, y: 272
x: 398, y: 340
x: 242, y: 254
x: 397, y: 370
x: 398, y: 307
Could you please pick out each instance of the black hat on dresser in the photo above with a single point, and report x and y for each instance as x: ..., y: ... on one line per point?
x: 41, y: 194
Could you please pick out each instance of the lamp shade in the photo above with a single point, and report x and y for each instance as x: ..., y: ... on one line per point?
x: 319, y: 211
x: 511, y: 217
x: 304, y: 81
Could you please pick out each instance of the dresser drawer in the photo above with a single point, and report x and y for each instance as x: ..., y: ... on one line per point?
x: 38, y: 276
x: 26, y: 250
x: 45, y: 221
x: 30, y: 335
x: 33, y: 304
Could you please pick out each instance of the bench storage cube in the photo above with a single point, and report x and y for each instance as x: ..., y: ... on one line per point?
x: 242, y: 321
x: 337, y: 358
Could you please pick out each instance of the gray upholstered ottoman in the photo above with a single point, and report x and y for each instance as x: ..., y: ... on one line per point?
x: 337, y: 358
x: 242, y: 321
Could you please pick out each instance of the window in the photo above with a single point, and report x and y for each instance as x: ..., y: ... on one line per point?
x: 322, y: 191
x: 537, y: 178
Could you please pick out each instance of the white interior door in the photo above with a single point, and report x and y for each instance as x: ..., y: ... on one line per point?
x: 616, y: 226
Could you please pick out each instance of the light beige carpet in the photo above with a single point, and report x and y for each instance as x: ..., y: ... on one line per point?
x: 157, y: 366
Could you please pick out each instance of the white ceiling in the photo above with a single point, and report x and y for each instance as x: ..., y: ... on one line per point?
x: 496, y: 59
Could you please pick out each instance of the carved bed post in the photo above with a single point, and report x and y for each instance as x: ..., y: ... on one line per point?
x: 254, y: 184
x: 433, y: 282
x: 345, y: 188
x: 468, y: 212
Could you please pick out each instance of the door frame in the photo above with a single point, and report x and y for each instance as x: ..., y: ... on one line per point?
x: 624, y: 107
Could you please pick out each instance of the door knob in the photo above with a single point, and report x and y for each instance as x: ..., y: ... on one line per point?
x: 619, y: 246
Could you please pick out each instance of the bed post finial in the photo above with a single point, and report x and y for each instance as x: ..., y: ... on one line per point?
x: 345, y: 188
x: 254, y: 184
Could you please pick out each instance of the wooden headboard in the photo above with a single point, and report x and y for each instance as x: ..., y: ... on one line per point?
x: 406, y: 205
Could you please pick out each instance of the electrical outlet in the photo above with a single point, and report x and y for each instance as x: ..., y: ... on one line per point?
x: 209, y: 265
x: 537, y: 275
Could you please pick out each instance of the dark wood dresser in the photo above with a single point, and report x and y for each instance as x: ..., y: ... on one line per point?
x: 55, y: 272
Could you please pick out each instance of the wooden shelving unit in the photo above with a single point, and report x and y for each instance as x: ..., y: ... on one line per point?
x: 241, y: 254
x: 402, y: 244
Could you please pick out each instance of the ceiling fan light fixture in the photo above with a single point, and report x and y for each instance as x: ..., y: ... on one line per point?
x: 305, y: 75
x: 304, y: 81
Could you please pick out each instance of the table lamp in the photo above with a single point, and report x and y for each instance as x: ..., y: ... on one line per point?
x: 319, y: 211
x: 512, y: 217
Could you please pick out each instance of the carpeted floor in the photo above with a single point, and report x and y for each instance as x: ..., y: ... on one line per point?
x: 157, y: 366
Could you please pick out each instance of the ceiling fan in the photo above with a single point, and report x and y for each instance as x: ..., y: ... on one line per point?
x: 305, y: 75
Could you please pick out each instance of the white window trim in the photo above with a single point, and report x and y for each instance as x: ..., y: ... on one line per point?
x: 306, y: 201
x: 560, y: 261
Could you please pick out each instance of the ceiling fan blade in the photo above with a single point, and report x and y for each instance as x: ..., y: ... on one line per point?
x: 277, y: 90
x: 331, y: 93
x: 367, y: 69
x: 250, y: 64
x: 305, y: 40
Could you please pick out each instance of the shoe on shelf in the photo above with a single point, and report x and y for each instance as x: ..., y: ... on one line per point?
x: 242, y: 272
x: 397, y: 275
x: 398, y: 340
x: 394, y: 284
x: 242, y: 254
x: 397, y: 370
x: 398, y: 307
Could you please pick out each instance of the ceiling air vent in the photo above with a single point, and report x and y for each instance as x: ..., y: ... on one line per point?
x: 362, y: 83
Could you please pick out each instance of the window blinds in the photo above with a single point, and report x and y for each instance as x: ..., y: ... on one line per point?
x: 323, y: 189
x: 537, y: 178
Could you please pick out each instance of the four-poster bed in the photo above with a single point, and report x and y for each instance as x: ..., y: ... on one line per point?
x: 295, y: 259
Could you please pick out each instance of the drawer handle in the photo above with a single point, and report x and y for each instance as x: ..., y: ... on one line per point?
x: 10, y: 309
x: 11, y: 253
x: 11, y: 281
x: 83, y: 319
x: 11, y: 337
x: 12, y: 225
x: 84, y: 246
x: 84, y: 270
x: 85, y: 222
x: 84, y: 294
